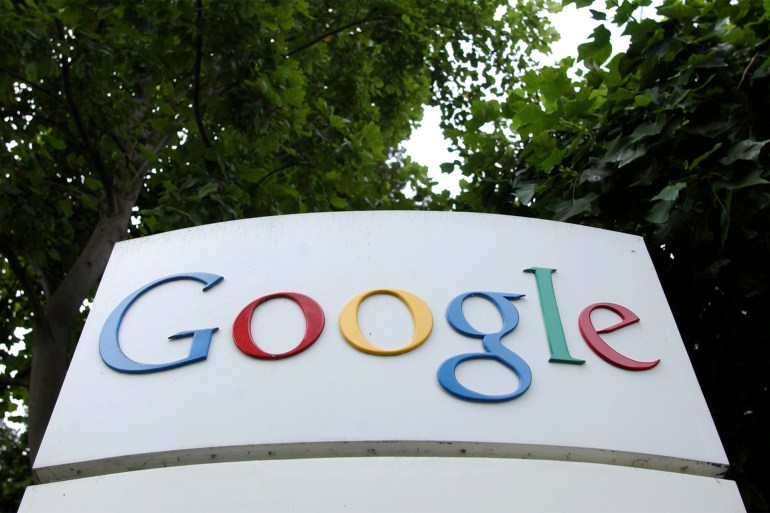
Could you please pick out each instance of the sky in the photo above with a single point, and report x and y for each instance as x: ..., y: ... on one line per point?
x: 427, y: 144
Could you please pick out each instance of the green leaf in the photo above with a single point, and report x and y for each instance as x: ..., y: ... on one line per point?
x: 711, y: 129
x: 625, y: 155
x: 678, y: 10
x: 597, y: 15
x: 92, y: 184
x: 337, y: 121
x: 447, y: 167
x: 55, y: 143
x: 575, y: 109
x: 709, y: 60
x: 580, y: 3
x: 598, y: 50
x: 252, y: 174
x: 762, y: 70
x: 207, y: 190
x: 743, y: 150
x: 751, y: 179
x: 65, y: 207
x: 569, y: 209
x: 670, y: 192
x: 643, y: 100
x: 595, y: 174
x: 659, y: 213
x: 526, y: 116
x: 525, y: 192
x: 648, y: 129
x: 210, y: 154
x: 552, y: 159
x: 338, y: 203
x: 702, y: 157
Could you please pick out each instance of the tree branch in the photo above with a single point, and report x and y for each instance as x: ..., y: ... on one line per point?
x: 30, y: 291
x: 72, y: 190
x: 746, y: 70
x: 33, y: 85
x: 20, y: 380
x: 44, y: 283
x: 63, y: 306
x: 271, y: 173
x: 329, y: 34
x: 278, y: 170
x: 143, y: 169
x: 73, y: 108
x: 197, y: 75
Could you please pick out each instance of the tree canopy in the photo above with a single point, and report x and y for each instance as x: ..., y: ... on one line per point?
x: 129, y: 118
x: 667, y: 140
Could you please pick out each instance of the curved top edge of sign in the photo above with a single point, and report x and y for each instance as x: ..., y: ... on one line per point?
x: 384, y: 448
x: 401, y: 214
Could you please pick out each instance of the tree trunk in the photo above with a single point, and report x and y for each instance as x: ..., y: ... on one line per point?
x: 52, y: 333
x: 49, y: 366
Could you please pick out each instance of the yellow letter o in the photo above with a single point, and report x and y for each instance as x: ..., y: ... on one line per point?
x: 421, y: 316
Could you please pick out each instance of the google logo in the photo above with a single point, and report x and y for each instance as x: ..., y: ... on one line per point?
x: 315, y: 320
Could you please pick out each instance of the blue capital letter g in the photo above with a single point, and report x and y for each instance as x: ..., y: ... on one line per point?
x: 109, y: 346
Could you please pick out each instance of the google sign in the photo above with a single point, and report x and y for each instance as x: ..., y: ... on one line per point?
x: 379, y: 333
x: 494, y: 349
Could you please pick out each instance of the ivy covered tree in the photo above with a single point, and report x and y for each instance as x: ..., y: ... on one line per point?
x: 667, y: 140
x: 120, y: 119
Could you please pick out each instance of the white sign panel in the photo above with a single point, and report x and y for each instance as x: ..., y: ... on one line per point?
x: 380, y: 333
x: 403, y: 484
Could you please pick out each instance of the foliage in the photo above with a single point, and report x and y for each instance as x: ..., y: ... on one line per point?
x: 667, y: 140
x: 128, y: 118
x: 14, y: 468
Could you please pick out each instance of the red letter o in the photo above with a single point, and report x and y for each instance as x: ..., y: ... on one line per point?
x: 314, y: 325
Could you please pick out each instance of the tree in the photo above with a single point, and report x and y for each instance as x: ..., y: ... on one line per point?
x: 129, y: 118
x: 667, y: 140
